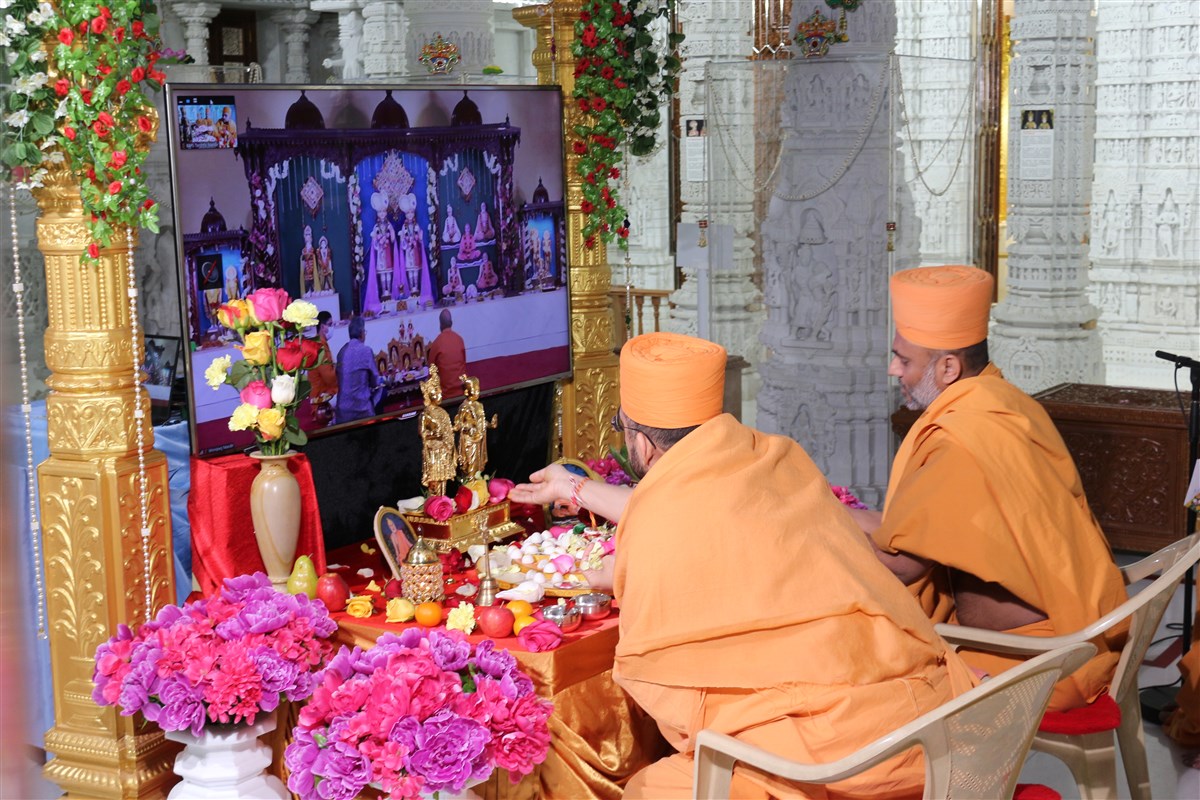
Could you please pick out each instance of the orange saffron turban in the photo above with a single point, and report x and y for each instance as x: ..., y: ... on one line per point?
x: 672, y: 381
x: 942, y: 308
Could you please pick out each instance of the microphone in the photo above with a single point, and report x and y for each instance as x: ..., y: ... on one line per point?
x: 1179, y: 361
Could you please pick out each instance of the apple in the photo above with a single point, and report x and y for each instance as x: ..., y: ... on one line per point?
x: 333, y: 591
x: 392, y: 589
x: 495, y: 621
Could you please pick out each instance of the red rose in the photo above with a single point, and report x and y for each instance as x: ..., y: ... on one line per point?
x: 585, y: 16
x: 137, y: 74
x: 105, y: 117
x: 69, y: 132
x: 123, y: 86
x: 599, y: 104
x: 91, y: 173
x: 587, y: 207
x: 620, y: 84
x: 153, y: 57
x: 591, y: 178
x: 439, y: 507
x: 610, y: 202
x: 623, y: 232
x: 144, y: 124
x: 62, y: 86
x: 289, y: 356
x: 119, y: 35
x: 584, y: 105
x: 155, y: 75
x: 83, y: 26
x: 86, y: 94
x: 580, y: 148
x: 149, y: 204
x: 138, y: 28
x: 66, y: 36
x: 614, y: 173
x: 104, y: 12
x: 99, y: 24
x: 94, y: 250
x: 607, y: 73
x: 579, y: 68
x: 99, y: 129
x: 590, y: 242
x: 311, y: 350
x: 118, y: 159
x: 103, y: 69
x: 114, y: 187
x: 463, y: 499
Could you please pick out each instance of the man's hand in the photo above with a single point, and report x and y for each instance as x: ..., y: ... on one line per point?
x: 550, y: 485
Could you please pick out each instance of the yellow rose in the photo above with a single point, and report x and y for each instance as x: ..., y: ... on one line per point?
x: 301, y: 313
x: 217, y: 370
x: 235, y: 314
x: 479, y: 488
x: 257, y: 348
x: 462, y: 618
x: 400, y: 609
x: 361, y: 606
x: 270, y: 423
x: 243, y: 418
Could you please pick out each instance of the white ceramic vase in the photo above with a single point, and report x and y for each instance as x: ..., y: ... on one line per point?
x: 275, y: 511
x: 226, y: 762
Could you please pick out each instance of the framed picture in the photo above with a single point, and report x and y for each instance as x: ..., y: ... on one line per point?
x: 159, y: 365
x: 394, y: 536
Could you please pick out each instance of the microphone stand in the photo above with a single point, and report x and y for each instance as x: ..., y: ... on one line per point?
x: 1156, y: 698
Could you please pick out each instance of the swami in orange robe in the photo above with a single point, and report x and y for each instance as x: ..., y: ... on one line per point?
x: 1184, y: 723
x: 983, y: 484
x: 750, y: 602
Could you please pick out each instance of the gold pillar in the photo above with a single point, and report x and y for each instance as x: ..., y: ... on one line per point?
x: 590, y: 398
x: 90, y: 508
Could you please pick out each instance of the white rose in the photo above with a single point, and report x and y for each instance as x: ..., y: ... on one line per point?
x: 283, y: 390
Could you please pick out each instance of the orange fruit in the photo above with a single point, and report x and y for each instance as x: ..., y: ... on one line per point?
x: 522, y: 622
x: 520, y: 608
x: 428, y: 614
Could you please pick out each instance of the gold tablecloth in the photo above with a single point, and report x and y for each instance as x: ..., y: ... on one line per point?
x: 598, y: 737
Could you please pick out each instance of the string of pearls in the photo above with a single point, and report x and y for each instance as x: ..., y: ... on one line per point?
x: 35, y: 527
x: 962, y: 142
x: 139, y: 423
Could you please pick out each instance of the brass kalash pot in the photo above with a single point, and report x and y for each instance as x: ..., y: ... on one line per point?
x: 421, y: 574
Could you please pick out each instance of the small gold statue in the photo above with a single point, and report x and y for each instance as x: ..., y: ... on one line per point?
x: 471, y: 424
x: 437, y: 437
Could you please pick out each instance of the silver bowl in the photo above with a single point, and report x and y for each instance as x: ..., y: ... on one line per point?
x: 568, y: 618
x: 594, y: 605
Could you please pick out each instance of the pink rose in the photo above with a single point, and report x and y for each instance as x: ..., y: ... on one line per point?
x: 540, y: 636
x: 440, y: 507
x: 268, y: 304
x: 498, y: 489
x: 256, y: 394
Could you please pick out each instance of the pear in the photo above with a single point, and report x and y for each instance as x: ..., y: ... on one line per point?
x: 303, y: 579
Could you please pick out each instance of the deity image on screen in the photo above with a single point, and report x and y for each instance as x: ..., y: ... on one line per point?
x: 484, y: 230
x: 308, y: 264
x: 412, y: 248
x: 232, y: 290
x: 454, y: 285
x: 225, y: 129
x: 384, y: 262
x: 488, y: 279
x: 467, y: 251
x: 450, y: 232
x: 324, y: 273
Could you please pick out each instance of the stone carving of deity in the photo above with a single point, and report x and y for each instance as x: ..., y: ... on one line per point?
x: 1110, y: 225
x: 437, y: 437
x: 812, y: 296
x: 1166, y: 226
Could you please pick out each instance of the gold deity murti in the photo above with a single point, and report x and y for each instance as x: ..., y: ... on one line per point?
x: 437, y: 437
x: 471, y: 424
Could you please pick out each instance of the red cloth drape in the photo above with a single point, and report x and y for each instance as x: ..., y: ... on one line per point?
x: 223, y: 542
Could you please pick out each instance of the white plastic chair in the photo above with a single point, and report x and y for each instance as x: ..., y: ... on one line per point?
x: 974, y: 745
x: 1091, y: 754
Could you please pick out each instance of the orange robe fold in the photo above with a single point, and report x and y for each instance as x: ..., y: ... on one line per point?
x: 1184, y: 723
x: 983, y: 483
x: 752, y: 604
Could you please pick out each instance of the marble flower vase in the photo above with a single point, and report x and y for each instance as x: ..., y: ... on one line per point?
x: 275, y: 511
x: 226, y: 762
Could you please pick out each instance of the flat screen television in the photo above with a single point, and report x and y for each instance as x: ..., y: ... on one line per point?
x: 396, y: 205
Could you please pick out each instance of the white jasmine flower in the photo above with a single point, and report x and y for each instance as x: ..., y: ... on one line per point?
x: 28, y: 84
x: 14, y: 26
x: 17, y: 119
x: 41, y: 15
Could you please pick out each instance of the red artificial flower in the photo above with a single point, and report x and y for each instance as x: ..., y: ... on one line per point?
x: 580, y: 67
x: 590, y: 242
x: 604, y: 227
x: 86, y: 94
x: 144, y: 124
x: 119, y: 34
x: 585, y: 16
x: 623, y: 232
x: 137, y: 74
x: 311, y: 350
x: 123, y: 86
x: 620, y: 84
x: 584, y: 105
x: 94, y: 250
x: 69, y: 132
x: 148, y: 204
x: 138, y: 28
x: 587, y: 207
x: 105, y: 117
x: 155, y: 75
x: 601, y: 167
x: 610, y: 202
x: 599, y: 104
x: 100, y: 129
x: 91, y: 173
x: 62, y: 86
x: 607, y: 73
x: 99, y: 24
x: 118, y: 159
x: 289, y: 356
x: 66, y: 36
x: 580, y: 148
x: 103, y: 69
x: 591, y: 178
x: 114, y: 187
x: 104, y: 12
x: 614, y: 173
x: 588, y: 37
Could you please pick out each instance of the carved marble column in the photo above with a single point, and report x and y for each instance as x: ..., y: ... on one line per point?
x: 91, y: 528
x: 1044, y: 329
x: 195, y: 18
x: 591, y: 397
x: 1146, y: 193
x: 383, y: 51
x: 825, y: 257
x: 720, y: 31
x: 470, y: 24
x: 294, y: 28
x: 350, y: 30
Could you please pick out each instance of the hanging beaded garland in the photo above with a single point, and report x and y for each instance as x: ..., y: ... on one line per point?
x: 139, y: 424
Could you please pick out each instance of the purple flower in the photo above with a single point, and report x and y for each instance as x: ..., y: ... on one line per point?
x: 515, y: 684
x: 183, y: 706
x: 137, y: 688
x: 240, y: 588
x: 449, y: 653
x: 278, y: 674
x: 299, y: 757
x: 492, y: 662
x: 266, y: 617
x: 344, y: 771
x: 302, y: 688
x: 411, y: 637
x: 449, y: 751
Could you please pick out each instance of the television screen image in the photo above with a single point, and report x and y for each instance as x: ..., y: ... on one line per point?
x: 408, y: 212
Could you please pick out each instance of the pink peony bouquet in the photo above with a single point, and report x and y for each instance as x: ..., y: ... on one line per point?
x: 420, y: 712
x: 221, y: 659
x: 846, y: 497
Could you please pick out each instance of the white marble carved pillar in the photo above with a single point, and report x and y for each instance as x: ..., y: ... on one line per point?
x: 383, y: 39
x: 1146, y: 193
x: 294, y: 28
x: 719, y: 31
x: 350, y: 24
x: 196, y: 19
x: 825, y: 257
x: 470, y: 24
x: 1044, y: 329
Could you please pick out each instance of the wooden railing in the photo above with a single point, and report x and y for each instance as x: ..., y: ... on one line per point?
x: 625, y: 324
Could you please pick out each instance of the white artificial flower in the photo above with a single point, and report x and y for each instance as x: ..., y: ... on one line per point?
x: 41, y: 15
x: 37, y: 56
x: 60, y: 110
x: 4, y: 40
x: 5, y: 4
x: 14, y: 26
x: 283, y: 390
x: 17, y: 119
x: 28, y: 84
x: 10, y: 57
x: 56, y: 156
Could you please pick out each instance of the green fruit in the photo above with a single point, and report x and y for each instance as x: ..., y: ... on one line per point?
x: 303, y: 579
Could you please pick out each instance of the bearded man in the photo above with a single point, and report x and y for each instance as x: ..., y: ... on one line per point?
x: 985, y: 517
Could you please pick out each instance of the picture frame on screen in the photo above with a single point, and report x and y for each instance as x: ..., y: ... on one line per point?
x: 411, y: 208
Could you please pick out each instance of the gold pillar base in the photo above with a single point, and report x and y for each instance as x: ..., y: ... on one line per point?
x: 97, y: 766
